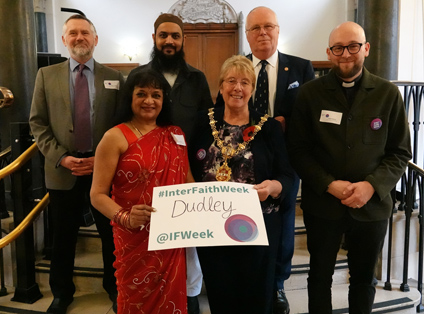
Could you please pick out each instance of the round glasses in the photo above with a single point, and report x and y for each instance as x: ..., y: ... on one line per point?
x: 338, y: 50
x: 233, y: 82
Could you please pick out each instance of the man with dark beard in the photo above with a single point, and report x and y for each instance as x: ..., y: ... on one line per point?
x: 349, y: 142
x: 189, y: 88
x: 189, y: 94
x: 73, y: 105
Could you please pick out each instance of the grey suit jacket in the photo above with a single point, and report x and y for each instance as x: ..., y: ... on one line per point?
x: 51, y: 117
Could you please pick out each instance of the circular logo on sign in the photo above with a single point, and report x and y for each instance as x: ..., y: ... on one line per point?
x: 241, y: 228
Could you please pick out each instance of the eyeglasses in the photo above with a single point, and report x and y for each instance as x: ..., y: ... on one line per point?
x: 233, y: 82
x: 257, y: 28
x: 352, y: 48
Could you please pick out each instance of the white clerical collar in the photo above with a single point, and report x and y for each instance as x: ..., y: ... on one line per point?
x: 348, y: 85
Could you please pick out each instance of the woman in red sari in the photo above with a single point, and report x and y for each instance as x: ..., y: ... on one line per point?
x: 132, y: 158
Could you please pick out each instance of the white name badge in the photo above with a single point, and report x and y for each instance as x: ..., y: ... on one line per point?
x: 328, y: 116
x: 111, y: 84
x: 179, y: 139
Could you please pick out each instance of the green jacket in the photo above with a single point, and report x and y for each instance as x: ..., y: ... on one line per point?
x: 370, y: 142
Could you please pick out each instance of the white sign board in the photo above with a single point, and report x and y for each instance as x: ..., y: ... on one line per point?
x: 206, y: 214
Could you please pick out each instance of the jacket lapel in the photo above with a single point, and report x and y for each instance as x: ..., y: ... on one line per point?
x: 63, y: 81
x: 331, y: 83
x: 98, y: 85
x: 367, y: 83
x: 282, y: 78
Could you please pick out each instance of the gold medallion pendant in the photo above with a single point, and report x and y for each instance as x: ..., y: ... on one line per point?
x: 223, y: 173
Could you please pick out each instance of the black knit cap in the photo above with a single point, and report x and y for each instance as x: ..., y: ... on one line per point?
x: 167, y: 17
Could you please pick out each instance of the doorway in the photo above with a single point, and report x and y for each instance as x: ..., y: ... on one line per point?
x: 207, y: 46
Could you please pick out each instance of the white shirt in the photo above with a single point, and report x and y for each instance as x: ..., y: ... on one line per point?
x: 272, y: 70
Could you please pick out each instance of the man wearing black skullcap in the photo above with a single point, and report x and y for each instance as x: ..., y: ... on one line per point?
x: 189, y: 94
x: 189, y: 88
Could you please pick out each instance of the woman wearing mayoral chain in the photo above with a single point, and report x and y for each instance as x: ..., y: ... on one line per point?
x: 235, y: 143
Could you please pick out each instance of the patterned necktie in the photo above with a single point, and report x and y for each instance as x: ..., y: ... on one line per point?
x: 82, y: 124
x: 261, y: 95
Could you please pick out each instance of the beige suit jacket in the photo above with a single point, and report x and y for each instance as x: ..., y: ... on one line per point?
x: 51, y: 117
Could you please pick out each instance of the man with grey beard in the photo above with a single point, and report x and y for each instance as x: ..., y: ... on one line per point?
x: 73, y: 105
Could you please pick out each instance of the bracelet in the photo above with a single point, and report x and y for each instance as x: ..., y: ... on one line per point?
x: 122, y: 217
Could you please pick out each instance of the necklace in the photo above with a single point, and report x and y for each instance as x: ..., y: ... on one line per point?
x: 135, y: 128
x: 227, y: 151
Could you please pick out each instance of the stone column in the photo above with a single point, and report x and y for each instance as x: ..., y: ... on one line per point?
x: 41, y: 28
x: 380, y: 20
x: 18, y: 61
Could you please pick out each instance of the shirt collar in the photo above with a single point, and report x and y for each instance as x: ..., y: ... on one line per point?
x: 273, y: 60
x: 89, y: 64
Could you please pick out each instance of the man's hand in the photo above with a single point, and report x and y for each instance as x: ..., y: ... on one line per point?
x: 282, y: 121
x: 78, y: 166
x: 359, y: 194
x: 338, y: 189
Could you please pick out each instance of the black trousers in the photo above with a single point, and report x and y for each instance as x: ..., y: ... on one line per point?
x: 364, y: 242
x: 286, y: 248
x: 66, y: 208
x: 240, y: 279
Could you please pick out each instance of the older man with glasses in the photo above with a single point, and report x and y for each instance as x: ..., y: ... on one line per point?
x: 279, y: 77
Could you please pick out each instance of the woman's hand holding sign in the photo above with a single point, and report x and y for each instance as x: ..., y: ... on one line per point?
x: 140, y: 215
x: 268, y: 187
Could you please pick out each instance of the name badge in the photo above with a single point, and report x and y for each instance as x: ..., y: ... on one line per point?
x: 111, y: 84
x: 328, y: 116
x: 179, y: 139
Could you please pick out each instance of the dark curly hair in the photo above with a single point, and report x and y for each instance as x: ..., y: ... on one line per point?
x: 145, y: 78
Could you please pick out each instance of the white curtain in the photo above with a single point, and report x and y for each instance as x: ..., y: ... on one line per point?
x: 411, y: 43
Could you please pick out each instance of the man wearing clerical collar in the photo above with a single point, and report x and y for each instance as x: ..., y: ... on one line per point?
x: 350, y: 145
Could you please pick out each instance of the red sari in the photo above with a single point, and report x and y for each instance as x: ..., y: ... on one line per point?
x: 148, y: 281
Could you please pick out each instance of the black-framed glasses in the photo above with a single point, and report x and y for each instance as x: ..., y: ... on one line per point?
x: 256, y: 29
x: 338, y: 50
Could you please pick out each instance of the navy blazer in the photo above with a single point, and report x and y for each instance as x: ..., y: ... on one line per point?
x: 291, y: 69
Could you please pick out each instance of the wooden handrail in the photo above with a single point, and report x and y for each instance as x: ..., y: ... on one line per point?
x: 19, y: 162
x: 25, y: 223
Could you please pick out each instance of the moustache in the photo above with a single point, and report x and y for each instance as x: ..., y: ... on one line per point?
x: 168, y: 46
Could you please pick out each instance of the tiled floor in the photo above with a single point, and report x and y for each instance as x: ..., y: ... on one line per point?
x: 91, y: 299
x: 94, y: 303
x: 98, y: 303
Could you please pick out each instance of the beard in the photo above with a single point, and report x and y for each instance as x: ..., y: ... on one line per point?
x: 346, y: 74
x: 168, y: 63
x: 82, y: 52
